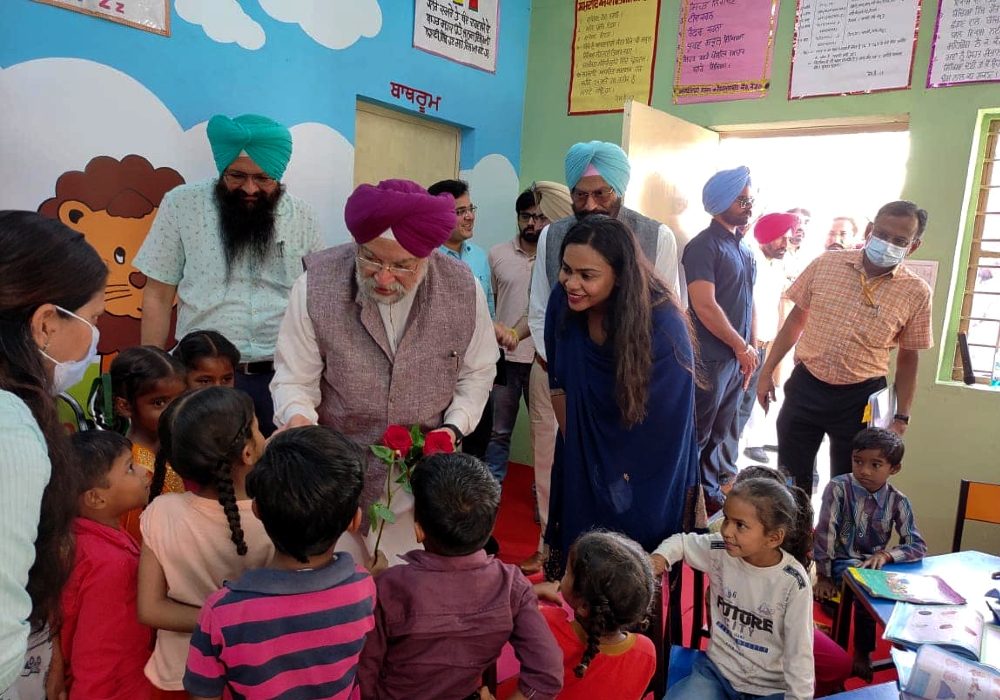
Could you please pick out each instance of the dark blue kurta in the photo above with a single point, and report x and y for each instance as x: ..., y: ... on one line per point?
x: 606, y: 476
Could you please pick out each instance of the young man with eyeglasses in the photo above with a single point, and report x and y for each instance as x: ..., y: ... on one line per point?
x: 383, y: 331
x: 852, y: 308
x: 510, y: 268
x: 721, y: 271
x: 230, y: 250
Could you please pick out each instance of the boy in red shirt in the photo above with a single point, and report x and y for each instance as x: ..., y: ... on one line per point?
x: 104, y: 646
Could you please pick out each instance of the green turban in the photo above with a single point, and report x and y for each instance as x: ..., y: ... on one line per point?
x: 268, y: 143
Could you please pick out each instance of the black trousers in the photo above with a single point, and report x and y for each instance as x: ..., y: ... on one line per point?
x: 812, y: 408
x: 259, y: 388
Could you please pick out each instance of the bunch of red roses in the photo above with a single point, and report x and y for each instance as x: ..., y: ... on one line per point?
x: 400, y: 450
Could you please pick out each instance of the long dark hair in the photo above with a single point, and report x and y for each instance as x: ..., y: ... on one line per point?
x: 628, y: 322
x: 202, y: 434
x: 613, y: 576
x: 133, y: 372
x: 208, y: 343
x: 780, y: 507
x: 43, y: 261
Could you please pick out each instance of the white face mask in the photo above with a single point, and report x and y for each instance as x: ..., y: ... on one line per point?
x: 68, y: 373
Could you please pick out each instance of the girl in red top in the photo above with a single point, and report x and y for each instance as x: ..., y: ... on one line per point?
x: 609, y: 584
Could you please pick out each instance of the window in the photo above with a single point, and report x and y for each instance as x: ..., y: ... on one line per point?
x: 979, y: 318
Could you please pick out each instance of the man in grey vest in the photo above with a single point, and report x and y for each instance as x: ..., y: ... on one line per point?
x: 380, y: 332
x: 597, y: 174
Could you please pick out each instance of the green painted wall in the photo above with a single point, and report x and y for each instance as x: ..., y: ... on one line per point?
x: 954, y: 431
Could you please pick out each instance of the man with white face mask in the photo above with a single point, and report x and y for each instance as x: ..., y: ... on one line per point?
x: 852, y: 308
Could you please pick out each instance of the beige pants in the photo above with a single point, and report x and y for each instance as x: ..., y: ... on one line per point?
x: 543, y: 439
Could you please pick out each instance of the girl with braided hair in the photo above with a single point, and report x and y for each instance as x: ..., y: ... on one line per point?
x: 609, y: 584
x: 194, y: 541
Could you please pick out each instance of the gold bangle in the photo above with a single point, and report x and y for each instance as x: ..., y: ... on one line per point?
x: 516, y: 336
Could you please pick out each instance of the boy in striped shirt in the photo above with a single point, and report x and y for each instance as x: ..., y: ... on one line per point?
x: 294, y: 630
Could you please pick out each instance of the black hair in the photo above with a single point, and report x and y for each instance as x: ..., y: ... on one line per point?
x: 778, y: 509
x: 307, y: 487
x: 885, y: 441
x: 456, y: 188
x: 628, y: 322
x: 799, y: 540
x: 197, y: 345
x: 203, y: 433
x: 525, y: 201
x: 905, y: 208
x: 43, y: 261
x: 455, y: 501
x: 96, y: 452
x: 133, y: 372
x: 613, y: 576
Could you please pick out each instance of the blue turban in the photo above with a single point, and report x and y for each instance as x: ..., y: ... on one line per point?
x: 723, y: 188
x: 268, y: 143
x: 608, y: 159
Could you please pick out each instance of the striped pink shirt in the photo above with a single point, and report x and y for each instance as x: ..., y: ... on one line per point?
x: 283, y: 634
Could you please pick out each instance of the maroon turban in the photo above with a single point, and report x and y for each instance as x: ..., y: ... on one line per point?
x: 419, y: 221
x: 773, y: 226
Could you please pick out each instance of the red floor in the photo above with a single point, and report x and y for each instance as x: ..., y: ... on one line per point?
x: 518, y: 536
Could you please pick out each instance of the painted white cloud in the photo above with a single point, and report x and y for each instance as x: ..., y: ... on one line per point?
x: 61, y: 112
x: 335, y: 24
x: 224, y: 21
x: 493, y: 187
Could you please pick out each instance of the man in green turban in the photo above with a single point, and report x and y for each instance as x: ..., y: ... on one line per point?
x: 230, y: 250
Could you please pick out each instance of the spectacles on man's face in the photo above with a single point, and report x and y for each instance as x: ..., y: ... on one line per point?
x: 237, y: 178
x: 526, y: 217
x: 375, y: 266
x: 463, y: 212
x: 602, y: 196
x: 745, y: 202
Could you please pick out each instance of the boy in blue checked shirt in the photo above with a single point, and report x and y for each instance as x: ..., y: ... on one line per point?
x: 856, y: 520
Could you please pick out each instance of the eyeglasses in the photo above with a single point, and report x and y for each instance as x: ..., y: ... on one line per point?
x: 745, y: 202
x: 237, y: 178
x: 601, y: 196
x: 524, y: 217
x: 463, y: 212
x: 376, y: 266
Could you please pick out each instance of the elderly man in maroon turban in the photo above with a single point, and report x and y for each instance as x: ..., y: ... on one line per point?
x: 386, y: 331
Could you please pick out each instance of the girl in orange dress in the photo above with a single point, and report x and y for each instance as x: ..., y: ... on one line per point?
x: 143, y: 382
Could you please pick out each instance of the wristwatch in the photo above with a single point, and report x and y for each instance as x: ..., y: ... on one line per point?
x: 902, y: 418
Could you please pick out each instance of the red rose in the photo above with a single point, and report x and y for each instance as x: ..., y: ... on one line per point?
x: 397, y: 438
x: 438, y: 441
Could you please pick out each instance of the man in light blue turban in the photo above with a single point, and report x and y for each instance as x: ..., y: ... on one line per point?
x: 721, y: 270
x: 597, y: 174
x: 230, y: 250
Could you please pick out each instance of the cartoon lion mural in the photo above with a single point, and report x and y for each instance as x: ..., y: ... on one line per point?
x: 113, y: 204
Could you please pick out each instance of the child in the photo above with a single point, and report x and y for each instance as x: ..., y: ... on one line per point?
x: 209, y: 357
x: 144, y: 380
x: 762, y: 639
x: 194, y: 541
x: 609, y: 584
x: 443, y: 619
x: 859, y: 512
x: 104, y: 645
x: 304, y: 618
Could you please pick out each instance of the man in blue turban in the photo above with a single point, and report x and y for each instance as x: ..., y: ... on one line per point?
x: 720, y: 271
x: 597, y: 174
x: 230, y: 250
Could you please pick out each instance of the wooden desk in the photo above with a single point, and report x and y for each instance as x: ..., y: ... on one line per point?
x: 882, y: 691
x: 966, y: 572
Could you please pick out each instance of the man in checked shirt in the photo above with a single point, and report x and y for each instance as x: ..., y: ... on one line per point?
x: 852, y: 309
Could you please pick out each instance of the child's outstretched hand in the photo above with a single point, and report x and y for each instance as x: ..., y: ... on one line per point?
x: 659, y: 564
x: 378, y: 564
x: 876, y: 561
x: 824, y: 589
x: 548, y: 591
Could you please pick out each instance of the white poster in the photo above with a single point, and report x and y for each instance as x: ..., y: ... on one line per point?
x: 853, y: 46
x: 464, y: 31
x: 966, y: 43
x: 151, y: 15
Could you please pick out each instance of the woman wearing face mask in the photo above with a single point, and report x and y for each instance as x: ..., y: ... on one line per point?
x: 51, y: 295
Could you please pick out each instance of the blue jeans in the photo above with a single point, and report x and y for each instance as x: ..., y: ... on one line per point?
x: 506, y: 403
x: 707, y: 683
